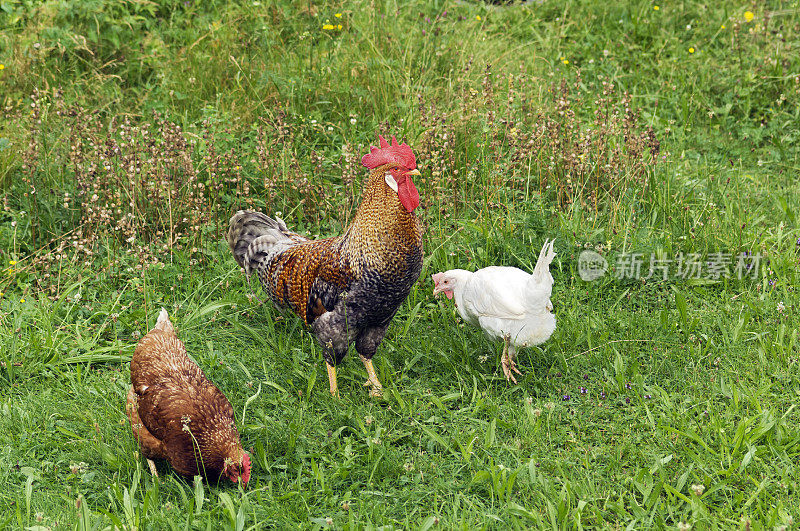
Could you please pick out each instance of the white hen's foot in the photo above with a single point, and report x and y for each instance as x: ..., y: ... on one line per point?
x: 508, y: 366
x: 507, y: 360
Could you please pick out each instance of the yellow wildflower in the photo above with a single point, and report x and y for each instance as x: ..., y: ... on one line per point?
x: 327, y: 26
x: 339, y: 27
x: 338, y: 15
x: 13, y: 262
x: 656, y: 8
x: 22, y: 299
x: 722, y: 27
x: 2, y: 66
x: 748, y: 16
x: 477, y: 17
x: 691, y: 50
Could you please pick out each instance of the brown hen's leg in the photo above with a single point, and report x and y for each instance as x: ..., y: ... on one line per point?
x: 507, y: 359
x: 149, y: 445
x: 376, y: 389
x: 332, y: 380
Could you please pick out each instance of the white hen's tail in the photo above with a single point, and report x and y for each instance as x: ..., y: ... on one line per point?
x: 540, y: 286
x: 541, y: 273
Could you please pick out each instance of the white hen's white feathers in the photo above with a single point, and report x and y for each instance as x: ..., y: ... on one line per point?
x: 508, y: 301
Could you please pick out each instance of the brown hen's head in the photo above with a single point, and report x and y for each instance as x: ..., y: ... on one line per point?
x: 238, y: 471
x: 402, y: 165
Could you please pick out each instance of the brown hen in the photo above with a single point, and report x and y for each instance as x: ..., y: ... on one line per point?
x: 177, y: 414
x: 347, y: 288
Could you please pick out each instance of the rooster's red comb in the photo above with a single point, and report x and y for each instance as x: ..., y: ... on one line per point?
x: 393, y: 153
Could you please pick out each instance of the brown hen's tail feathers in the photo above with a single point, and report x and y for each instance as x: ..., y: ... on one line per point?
x: 255, y: 237
x: 163, y: 322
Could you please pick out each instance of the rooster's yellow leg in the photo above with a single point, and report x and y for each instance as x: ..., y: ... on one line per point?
x: 507, y: 361
x: 332, y: 380
x: 152, y: 466
x: 376, y: 389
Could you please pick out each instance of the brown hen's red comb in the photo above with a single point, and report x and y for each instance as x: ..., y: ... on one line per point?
x: 395, y: 153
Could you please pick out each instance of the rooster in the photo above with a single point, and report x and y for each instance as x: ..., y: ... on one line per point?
x: 346, y: 288
x: 505, y: 302
x: 178, y: 415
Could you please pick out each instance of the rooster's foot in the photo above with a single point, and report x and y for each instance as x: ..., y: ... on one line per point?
x: 376, y: 388
x: 334, y: 388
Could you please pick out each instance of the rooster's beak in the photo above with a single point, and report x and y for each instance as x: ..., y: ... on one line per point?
x: 413, y: 172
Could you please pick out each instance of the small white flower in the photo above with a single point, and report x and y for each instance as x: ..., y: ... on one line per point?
x: 698, y: 489
x: 353, y: 121
x: 781, y: 307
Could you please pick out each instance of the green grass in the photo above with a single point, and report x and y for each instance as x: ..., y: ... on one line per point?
x: 687, y: 382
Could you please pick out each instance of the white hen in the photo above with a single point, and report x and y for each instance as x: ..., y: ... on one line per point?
x: 505, y: 302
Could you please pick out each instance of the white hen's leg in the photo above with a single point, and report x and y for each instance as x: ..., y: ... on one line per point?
x: 512, y: 353
x: 507, y: 359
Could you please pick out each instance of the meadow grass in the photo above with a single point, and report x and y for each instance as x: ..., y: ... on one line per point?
x: 132, y: 130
